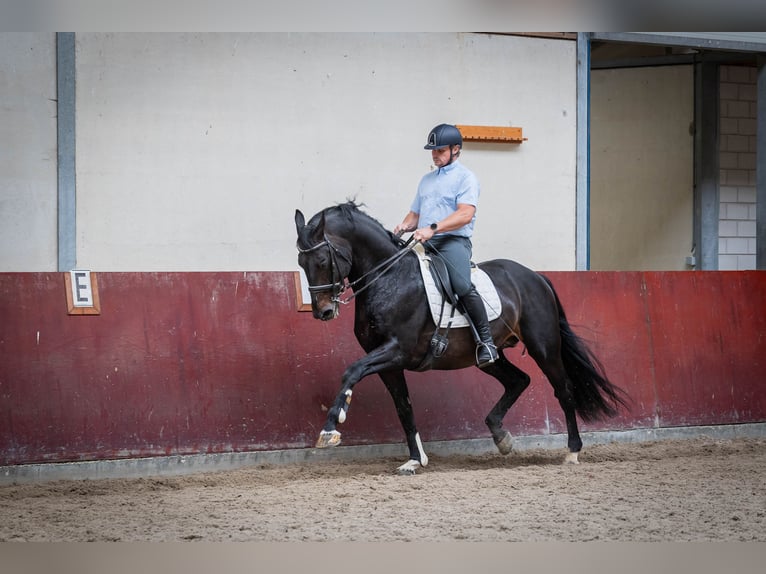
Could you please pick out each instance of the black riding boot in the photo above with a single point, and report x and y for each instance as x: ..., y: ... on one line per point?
x: 486, y: 352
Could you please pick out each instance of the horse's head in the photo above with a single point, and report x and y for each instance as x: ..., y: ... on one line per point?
x: 326, y: 259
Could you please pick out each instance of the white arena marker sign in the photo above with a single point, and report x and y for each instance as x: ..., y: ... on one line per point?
x: 82, y: 288
x: 82, y: 292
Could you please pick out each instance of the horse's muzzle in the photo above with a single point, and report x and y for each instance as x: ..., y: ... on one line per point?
x: 326, y: 312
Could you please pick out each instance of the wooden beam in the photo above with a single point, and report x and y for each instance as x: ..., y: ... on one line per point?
x: 498, y: 134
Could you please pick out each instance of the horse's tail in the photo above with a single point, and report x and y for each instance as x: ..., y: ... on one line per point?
x: 595, y: 396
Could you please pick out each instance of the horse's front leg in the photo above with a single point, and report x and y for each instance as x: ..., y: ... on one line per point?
x: 384, y: 357
x: 397, y: 387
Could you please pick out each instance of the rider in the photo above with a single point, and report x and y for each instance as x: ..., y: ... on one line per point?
x: 443, y: 214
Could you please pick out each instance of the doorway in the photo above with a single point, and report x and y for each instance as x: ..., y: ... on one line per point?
x: 642, y: 168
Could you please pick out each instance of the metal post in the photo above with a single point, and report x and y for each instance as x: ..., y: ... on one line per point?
x: 582, y: 208
x: 706, y: 191
x: 760, y: 167
x: 65, y: 88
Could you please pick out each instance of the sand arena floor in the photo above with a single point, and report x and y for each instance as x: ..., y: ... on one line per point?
x: 673, y: 490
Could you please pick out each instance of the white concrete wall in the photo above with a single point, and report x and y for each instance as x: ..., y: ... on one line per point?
x: 194, y: 150
x: 28, y: 180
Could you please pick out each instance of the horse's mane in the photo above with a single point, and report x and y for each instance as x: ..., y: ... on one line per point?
x: 352, y: 211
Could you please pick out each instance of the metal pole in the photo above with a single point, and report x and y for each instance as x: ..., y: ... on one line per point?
x: 760, y: 167
x: 582, y: 226
x: 706, y: 191
x: 65, y: 88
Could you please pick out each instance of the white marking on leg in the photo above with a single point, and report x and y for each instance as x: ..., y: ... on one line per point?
x: 571, y: 458
x: 409, y: 467
x: 342, y: 413
x: 423, y: 457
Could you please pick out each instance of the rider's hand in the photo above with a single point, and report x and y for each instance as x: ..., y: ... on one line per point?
x: 402, y: 228
x: 423, y: 234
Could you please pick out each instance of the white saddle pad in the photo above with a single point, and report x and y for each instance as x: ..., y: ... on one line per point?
x: 479, y: 278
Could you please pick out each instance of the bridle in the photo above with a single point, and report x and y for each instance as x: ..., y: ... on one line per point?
x: 339, y: 285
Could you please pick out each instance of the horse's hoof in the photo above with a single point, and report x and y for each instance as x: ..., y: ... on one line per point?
x: 328, y: 438
x: 571, y: 458
x: 505, y: 445
x: 408, y: 468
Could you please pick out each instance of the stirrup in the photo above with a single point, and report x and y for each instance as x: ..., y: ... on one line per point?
x: 491, y: 349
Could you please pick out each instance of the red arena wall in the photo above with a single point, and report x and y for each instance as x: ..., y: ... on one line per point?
x: 184, y: 363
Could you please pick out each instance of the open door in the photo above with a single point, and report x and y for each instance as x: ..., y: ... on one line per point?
x: 642, y: 168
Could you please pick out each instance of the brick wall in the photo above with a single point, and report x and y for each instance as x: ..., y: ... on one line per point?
x: 736, y: 233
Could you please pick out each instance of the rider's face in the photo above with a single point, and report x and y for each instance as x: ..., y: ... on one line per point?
x: 441, y: 157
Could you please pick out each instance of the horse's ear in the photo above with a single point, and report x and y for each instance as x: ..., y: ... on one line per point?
x: 300, y: 221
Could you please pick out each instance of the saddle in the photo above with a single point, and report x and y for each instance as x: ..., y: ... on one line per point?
x: 442, y: 299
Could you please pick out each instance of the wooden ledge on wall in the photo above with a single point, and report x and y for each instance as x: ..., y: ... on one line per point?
x: 82, y: 293
x: 302, y: 295
x: 497, y: 134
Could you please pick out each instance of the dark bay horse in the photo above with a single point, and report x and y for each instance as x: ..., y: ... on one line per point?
x: 394, y: 326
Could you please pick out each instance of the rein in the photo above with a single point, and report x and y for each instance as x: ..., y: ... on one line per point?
x: 338, y: 287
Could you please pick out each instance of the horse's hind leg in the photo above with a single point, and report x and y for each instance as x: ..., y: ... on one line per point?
x: 553, y: 368
x: 514, y: 380
x: 397, y: 387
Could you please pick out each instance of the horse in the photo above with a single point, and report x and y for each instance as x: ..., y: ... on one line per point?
x: 342, y: 247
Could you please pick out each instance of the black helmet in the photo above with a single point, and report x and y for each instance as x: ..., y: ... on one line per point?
x: 444, y: 135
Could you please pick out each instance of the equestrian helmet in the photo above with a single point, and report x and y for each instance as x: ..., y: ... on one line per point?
x: 444, y: 135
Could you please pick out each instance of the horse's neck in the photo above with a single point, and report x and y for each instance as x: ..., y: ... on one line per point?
x: 370, y: 251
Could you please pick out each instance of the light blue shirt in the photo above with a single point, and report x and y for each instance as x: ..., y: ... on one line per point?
x: 439, y: 193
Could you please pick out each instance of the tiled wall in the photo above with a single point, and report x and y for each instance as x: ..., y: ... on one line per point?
x: 736, y: 233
